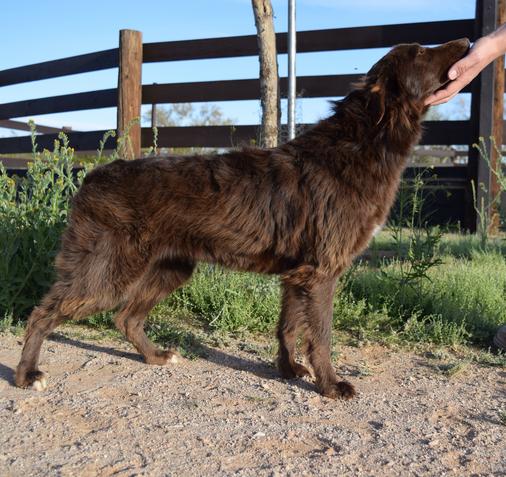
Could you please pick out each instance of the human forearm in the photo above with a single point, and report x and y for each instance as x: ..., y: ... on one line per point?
x: 498, y: 38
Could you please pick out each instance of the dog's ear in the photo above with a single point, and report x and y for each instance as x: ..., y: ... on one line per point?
x: 378, y: 81
x: 376, y: 104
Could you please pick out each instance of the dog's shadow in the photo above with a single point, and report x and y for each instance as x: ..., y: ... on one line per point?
x: 7, y: 374
x: 259, y: 368
x: 60, y: 338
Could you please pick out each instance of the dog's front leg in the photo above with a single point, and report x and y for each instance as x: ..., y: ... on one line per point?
x: 317, y: 340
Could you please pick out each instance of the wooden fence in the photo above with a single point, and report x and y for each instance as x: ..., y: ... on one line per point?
x: 486, y: 105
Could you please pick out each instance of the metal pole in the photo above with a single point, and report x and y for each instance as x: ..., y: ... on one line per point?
x: 153, y: 114
x: 291, y: 69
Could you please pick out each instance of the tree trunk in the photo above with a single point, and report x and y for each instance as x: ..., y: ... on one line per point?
x: 269, y: 84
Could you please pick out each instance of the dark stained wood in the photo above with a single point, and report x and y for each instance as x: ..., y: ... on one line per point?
x: 57, y: 104
x: 130, y: 91
x: 308, y: 87
x: 14, y: 163
x: 497, y: 126
x: 99, y: 60
x: 202, y: 136
x: 85, y: 141
x: 436, y: 133
x: 437, y: 174
x: 308, y: 41
x: 381, y: 36
x: 227, y: 90
x: 446, y: 133
x: 482, y: 119
x: 233, y: 90
x: 39, y: 128
x: 312, y: 40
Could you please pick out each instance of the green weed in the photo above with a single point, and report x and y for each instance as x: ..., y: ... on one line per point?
x: 229, y: 301
x: 33, y: 214
x: 502, y: 417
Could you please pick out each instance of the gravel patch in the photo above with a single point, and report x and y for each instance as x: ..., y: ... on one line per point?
x: 107, y: 413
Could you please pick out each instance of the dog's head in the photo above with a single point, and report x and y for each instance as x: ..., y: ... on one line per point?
x: 411, y: 72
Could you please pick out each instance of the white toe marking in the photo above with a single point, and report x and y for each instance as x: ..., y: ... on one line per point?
x: 40, y: 384
x: 174, y: 359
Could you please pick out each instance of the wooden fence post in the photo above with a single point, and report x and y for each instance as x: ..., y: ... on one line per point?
x: 130, y: 91
x: 482, y: 122
x: 495, y: 158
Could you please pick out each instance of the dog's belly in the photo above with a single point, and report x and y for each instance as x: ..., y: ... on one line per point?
x: 260, y: 263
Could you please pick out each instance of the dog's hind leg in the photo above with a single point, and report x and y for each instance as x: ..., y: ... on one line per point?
x: 160, y: 279
x: 290, y: 323
x: 56, y: 307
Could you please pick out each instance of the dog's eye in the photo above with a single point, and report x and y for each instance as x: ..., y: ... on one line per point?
x: 421, y: 51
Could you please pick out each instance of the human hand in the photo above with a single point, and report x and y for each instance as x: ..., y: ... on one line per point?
x: 483, y: 52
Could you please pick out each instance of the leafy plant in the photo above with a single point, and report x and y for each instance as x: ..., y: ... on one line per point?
x: 33, y: 213
x: 488, y: 208
x: 423, y: 242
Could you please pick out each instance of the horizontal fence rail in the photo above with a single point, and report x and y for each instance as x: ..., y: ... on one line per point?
x: 204, y: 91
x: 435, y: 133
x: 99, y: 60
x: 21, y: 126
x: 307, y: 41
x: 86, y: 141
x: 444, y: 193
x: 105, y: 98
x: 312, y: 41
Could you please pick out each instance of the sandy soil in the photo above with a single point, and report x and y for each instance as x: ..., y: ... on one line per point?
x: 107, y: 413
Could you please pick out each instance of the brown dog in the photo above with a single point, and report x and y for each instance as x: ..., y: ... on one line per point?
x: 303, y: 210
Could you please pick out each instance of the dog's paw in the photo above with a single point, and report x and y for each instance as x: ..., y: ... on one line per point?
x: 301, y: 371
x: 35, y: 380
x: 163, y: 357
x: 339, y: 390
x: 289, y: 371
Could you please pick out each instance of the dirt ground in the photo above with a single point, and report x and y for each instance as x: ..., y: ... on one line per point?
x: 107, y: 413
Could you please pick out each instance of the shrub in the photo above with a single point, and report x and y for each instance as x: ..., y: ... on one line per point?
x: 33, y: 213
x: 462, y: 299
x: 229, y: 301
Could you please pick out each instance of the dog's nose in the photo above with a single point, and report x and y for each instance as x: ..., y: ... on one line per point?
x: 461, y: 45
x: 466, y: 42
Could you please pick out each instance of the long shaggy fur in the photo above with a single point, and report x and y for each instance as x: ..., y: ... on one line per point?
x: 303, y: 210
